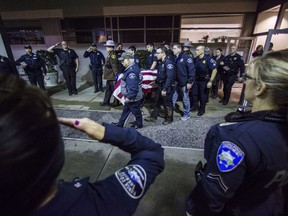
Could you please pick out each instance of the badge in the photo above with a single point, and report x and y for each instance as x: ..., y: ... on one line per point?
x: 170, y: 66
x: 133, y: 180
x: 189, y: 60
x: 113, y: 56
x: 229, y: 156
x: 2, y: 60
x: 150, y: 55
x: 204, y: 62
x: 181, y: 60
x: 235, y: 58
x: 221, y: 63
x: 98, y: 54
x: 132, y: 76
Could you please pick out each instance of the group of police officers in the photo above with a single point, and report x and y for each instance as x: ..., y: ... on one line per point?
x: 179, y: 73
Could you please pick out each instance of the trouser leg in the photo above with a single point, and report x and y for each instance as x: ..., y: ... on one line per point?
x: 186, y: 101
x: 40, y: 80
x: 135, y: 108
x: 203, y: 95
x: 109, y: 91
x: 125, y: 113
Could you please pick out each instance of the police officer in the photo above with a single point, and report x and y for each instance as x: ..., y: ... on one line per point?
x: 7, y: 67
x: 132, y: 51
x: 33, y: 66
x: 205, y: 73
x: 32, y: 140
x: 165, y: 80
x: 247, y: 161
x: 119, y: 50
x: 185, y: 77
x: 69, y: 64
x: 215, y: 85
x: 187, y: 48
x: 169, y: 52
x: 110, y: 71
x: 151, y: 58
x: 131, y: 89
x: 231, y: 65
x: 97, y: 60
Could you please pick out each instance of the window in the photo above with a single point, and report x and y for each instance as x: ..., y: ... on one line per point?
x: 132, y: 36
x: 159, y: 21
x: 158, y: 36
x: 24, y: 32
x: 131, y: 22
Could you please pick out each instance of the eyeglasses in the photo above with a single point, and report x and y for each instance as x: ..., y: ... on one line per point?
x: 247, y: 77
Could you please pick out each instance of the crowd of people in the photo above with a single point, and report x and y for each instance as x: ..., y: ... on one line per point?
x: 247, y: 164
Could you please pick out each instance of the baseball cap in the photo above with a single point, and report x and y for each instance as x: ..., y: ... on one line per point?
x: 109, y: 43
x: 187, y: 44
x: 94, y: 45
x: 126, y: 55
x: 27, y: 47
x: 165, y: 43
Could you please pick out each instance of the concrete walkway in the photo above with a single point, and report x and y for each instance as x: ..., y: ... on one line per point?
x: 85, y: 157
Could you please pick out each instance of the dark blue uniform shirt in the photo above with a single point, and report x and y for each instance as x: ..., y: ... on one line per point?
x: 150, y: 58
x: 137, y: 60
x: 118, y: 194
x: 96, y: 58
x: 235, y: 63
x: 67, y: 57
x: 166, y: 74
x: 131, y: 83
x: 185, y: 69
x: 204, y: 67
x: 247, y: 163
x: 34, y: 63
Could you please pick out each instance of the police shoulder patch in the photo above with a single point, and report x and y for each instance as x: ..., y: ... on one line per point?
x: 189, y: 60
x: 137, y: 60
x: 132, y: 76
x: 181, y: 60
x: 170, y: 66
x: 229, y: 156
x: 133, y: 180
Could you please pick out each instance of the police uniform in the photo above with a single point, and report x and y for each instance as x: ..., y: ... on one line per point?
x: 96, y: 61
x: 6, y: 66
x: 185, y: 74
x: 131, y: 89
x: 111, y: 68
x: 165, y: 80
x: 34, y: 69
x: 189, y: 53
x: 68, y: 66
x: 120, y: 193
x: 247, y: 166
x: 204, y: 67
x: 137, y: 60
x: 235, y: 62
x: 215, y: 84
x: 170, y: 54
x: 150, y: 58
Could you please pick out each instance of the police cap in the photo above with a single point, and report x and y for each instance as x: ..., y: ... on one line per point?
x: 93, y: 45
x: 27, y: 47
x: 126, y: 55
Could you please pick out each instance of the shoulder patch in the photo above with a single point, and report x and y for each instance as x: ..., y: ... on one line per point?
x: 113, y: 56
x: 133, y: 180
x: 189, y: 60
x: 132, y: 76
x: 137, y: 60
x: 170, y: 66
x: 229, y: 156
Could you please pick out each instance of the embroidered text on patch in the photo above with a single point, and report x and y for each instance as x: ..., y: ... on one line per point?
x: 133, y: 179
x: 229, y: 156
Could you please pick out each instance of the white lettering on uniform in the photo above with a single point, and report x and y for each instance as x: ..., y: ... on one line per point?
x: 280, y: 177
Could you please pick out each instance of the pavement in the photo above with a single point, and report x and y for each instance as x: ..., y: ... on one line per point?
x: 182, y: 141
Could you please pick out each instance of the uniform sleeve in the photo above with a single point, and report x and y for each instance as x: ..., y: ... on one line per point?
x: 114, y: 63
x: 75, y: 56
x: 121, y: 193
x: 224, y: 173
x: 212, y: 64
x: 154, y: 57
x: 102, y: 58
x: 86, y: 54
x: 191, y: 70
x: 241, y: 66
x: 133, y: 85
x: 19, y: 60
x: 170, y: 73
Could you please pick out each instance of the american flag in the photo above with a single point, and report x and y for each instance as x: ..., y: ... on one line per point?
x: 148, y: 76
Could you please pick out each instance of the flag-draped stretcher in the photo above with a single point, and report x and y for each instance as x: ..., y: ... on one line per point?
x: 148, y: 76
